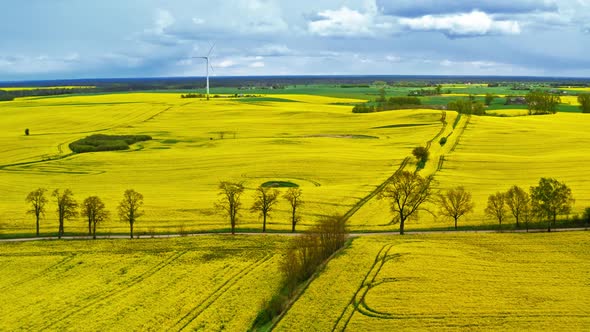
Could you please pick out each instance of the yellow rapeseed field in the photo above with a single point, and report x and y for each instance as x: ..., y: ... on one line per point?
x: 336, y: 156
x: 200, y: 283
x: 508, y: 282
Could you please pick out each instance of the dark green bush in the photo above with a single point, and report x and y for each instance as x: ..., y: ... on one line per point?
x: 100, y: 142
x: 442, y: 141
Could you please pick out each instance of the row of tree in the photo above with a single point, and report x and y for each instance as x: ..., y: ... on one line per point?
x: 265, y: 198
x: 92, y: 208
x: 408, y: 191
x: 549, y: 199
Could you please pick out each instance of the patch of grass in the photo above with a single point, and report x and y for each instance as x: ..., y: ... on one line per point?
x: 101, y: 142
x: 280, y: 184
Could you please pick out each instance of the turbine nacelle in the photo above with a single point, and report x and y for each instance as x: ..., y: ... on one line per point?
x: 207, y: 65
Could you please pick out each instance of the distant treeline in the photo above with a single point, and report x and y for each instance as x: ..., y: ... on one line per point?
x: 130, y: 84
x: 10, y: 95
x: 393, y: 103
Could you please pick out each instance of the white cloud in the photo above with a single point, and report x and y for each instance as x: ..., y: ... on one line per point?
x: 257, y: 64
x: 164, y: 19
x: 198, y: 21
x: 226, y: 63
x: 393, y: 58
x: 470, y: 64
x: 273, y: 50
x: 346, y: 22
x: 476, y: 23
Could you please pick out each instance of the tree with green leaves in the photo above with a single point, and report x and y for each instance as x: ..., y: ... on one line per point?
x: 489, y: 98
x: 496, y: 207
x: 519, y: 202
x: 587, y: 216
x: 95, y: 212
x: 584, y: 100
x: 542, y: 102
x: 551, y: 198
x: 455, y: 203
x: 37, y: 200
x: 293, y: 196
x: 229, y: 201
x: 406, y: 192
x: 130, y: 208
x: 264, y: 200
x: 421, y: 153
x: 67, y: 208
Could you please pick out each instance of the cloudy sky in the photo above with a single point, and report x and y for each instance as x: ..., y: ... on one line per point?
x: 56, y: 39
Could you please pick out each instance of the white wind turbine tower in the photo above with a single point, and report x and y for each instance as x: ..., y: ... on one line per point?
x: 207, y: 66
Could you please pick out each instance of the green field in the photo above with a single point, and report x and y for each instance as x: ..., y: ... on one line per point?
x: 206, y: 283
x: 483, y: 282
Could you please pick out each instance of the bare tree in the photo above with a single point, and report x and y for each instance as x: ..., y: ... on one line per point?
x: 497, y: 207
x: 455, y: 203
x: 37, y: 200
x: 129, y: 208
x: 406, y: 192
x: 550, y: 199
x: 66, y: 208
x: 264, y: 200
x: 519, y: 202
x: 229, y: 202
x: 293, y: 196
x: 94, y: 210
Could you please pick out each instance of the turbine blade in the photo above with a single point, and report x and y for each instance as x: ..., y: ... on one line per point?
x: 211, y: 49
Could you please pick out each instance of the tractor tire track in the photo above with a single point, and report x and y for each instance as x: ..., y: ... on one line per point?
x: 460, y: 134
x: 120, y: 290
x: 441, y: 159
x: 196, y: 311
x: 352, y: 305
x: 443, y: 119
x: 375, y: 192
x: 45, y: 271
x: 60, y: 154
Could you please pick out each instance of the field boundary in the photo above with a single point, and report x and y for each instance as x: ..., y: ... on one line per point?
x: 375, y: 191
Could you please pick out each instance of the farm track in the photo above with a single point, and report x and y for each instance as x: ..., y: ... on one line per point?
x: 196, y: 311
x: 404, y: 163
x: 460, y: 134
x: 441, y: 159
x: 375, y: 192
x: 443, y: 119
x: 352, y: 306
x: 121, y: 290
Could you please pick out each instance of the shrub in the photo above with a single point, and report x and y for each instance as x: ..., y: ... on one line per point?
x: 442, y: 141
x: 421, y: 153
x: 309, y: 250
x: 27, y: 132
x: 100, y: 142
x: 586, y: 216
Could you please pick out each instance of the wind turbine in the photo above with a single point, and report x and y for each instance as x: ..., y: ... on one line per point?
x: 207, y: 66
